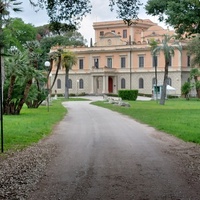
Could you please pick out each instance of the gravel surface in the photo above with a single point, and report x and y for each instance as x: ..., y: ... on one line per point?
x: 109, y: 159
x: 21, y: 171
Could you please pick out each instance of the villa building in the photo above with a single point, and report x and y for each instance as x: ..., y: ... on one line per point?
x: 121, y: 58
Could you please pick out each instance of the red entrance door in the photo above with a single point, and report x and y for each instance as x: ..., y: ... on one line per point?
x: 110, y: 85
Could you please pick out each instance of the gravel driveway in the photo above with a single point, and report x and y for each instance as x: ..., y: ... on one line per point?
x: 95, y: 153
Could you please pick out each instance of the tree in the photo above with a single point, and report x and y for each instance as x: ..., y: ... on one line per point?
x: 16, y: 33
x: 168, y: 51
x: 194, y: 74
x: 194, y: 50
x: 73, y: 11
x: 68, y: 60
x: 19, y: 77
x: 183, y: 16
x: 37, y: 93
x: 185, y: 89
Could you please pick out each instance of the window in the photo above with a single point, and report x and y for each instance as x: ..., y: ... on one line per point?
x: 154, y: 82
x: 188, y: 61
x: 169, y: 81
x: 141, y: 83
x: 69, y: 85
x: 109, y: 62
x: 96, y: 62
x: 80, y: 63
x: 123, y: 62
x: 124, y: 33
x: 113, y: 31
x: 154, y: 61
x: 101, y: 33
x: 81, y: 85
x: 170, y: 61
x: 123, y: 83
x: 141, y: 61
x: 58, y: 83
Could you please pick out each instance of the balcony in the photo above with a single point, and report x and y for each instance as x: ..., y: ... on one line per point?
x: 102, y: 69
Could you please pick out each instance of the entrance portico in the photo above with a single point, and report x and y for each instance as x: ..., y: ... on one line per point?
x: 103, y: 84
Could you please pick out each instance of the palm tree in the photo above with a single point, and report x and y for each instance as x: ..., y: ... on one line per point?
x: 168, y: 51
x: 68, y: 60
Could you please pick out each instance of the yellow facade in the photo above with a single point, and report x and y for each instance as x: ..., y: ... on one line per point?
x: 121, y: 58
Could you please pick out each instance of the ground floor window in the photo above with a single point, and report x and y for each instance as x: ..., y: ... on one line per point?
x: 58, y: 83
x: 81, y: 84
x: 141, y: 83
x: 69, y: 84
x: 123, y: 83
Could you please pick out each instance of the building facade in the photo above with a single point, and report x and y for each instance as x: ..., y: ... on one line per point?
x: 121, y: 58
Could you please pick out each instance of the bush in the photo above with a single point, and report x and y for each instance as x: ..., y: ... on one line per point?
x: 112, y: 95
x: 128, y: 94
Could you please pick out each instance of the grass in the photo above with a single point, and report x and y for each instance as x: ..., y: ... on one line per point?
x: 31, y: 125
x: 177, y: 117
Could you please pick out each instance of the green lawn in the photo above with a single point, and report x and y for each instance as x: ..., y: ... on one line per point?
x: 177, y: 117
x: 31, y: 125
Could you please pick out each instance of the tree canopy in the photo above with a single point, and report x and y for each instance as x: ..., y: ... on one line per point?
x: 72, y: 12
x: 182, y: 15
x: 16, y: 33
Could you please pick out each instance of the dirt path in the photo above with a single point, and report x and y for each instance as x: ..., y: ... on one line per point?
x: 103, y: 155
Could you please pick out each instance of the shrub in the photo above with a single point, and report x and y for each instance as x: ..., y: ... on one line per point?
x: 128, y: 94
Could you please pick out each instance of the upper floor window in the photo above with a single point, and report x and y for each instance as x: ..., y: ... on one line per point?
x: 154, y: 61
x: 58, y: 83
x: 141, y: 83
x: 123, y: 62
x: 101, y: 33
x: 188, y: 61
x: 124, y: 33
x: 96, y: 62
x: 141, y: 61
x: 69, y: 84
x: 81, y: 63
x: 109, y: 62
x: 123, y: 83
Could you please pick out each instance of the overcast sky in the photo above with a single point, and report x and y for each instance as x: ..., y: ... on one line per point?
x: 100, y: 12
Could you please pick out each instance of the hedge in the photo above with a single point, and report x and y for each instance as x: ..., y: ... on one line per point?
x: 128, y: 94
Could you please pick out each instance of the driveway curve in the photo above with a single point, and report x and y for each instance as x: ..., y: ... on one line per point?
x: 103, y: 155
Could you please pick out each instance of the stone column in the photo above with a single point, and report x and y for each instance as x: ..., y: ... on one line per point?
x: 105, y: 84
x: 92, y: 85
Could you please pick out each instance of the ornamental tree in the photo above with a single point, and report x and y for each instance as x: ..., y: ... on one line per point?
x: 183, y: 15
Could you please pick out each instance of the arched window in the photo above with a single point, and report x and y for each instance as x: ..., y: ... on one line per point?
x: 169, y: 81
x: 81, y: 84
x: 153, y: 82
x: 58, y: 83
x: 141, y: 83
x: 123, y: 83
x: 69, y: 84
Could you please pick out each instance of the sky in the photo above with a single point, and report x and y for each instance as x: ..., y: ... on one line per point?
x: 100, y: 12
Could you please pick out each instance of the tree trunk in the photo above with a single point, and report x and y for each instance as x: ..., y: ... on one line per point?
x: 23, y: 99
x: 55, y: 77
x: 164, y: 88
x: 8, y: 99
x: 66, y: 84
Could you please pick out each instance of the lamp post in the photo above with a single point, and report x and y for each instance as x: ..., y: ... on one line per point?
x: 156, y: 80
x: 1, y: 107
x: 47, y: 64
x: 77, y: 81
